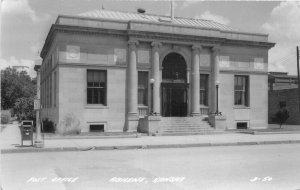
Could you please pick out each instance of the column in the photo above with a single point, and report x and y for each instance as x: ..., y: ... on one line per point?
x: 195, y: 83
x: 215, y: 76
x: 132, y: 79
x: 132, y: 114
x: 38, y: 140
x: 156, y: 77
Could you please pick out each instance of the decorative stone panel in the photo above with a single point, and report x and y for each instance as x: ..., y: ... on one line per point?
x: 259, y: 64
x: 204, y: 60
x: 120, y: 55
x: 224, y: 62
x: 242, y: 64
x: 73, y: 53
x: 143, y: 57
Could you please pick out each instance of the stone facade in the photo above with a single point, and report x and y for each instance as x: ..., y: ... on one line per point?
x: 75, y: 45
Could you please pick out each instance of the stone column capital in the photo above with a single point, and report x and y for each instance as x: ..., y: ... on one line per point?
x: 216, y: 49
x: 156, y: 44
x: 132, y: 44
x: 197, y: 48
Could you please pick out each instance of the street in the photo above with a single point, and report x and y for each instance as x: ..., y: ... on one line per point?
x: 228, y: 167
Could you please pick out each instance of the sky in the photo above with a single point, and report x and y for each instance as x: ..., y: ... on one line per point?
x: 26, y: 23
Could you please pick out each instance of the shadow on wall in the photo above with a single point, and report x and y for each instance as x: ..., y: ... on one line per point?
x: 69, y: 125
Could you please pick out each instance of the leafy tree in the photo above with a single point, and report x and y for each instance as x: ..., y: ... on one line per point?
x: 24, y: 108
x: 18, y: 91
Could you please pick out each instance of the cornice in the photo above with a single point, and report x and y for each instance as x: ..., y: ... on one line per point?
x: 88, y: 66
x: 244, y: 72
x: 148, y: 37
x: 77, y: 30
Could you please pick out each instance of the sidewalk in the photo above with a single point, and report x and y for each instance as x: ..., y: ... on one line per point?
x: 11, y: 139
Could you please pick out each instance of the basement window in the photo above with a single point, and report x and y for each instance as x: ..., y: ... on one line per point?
x: 97, y: 128
x: 242, y: 125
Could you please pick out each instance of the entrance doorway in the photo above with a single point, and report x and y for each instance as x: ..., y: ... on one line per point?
x: 174, y: 100
x: 174, y: 86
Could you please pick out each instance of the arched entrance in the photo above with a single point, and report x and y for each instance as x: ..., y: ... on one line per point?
x: 174, y: 86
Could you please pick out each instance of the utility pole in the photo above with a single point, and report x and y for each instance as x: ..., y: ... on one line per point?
x: 298, y: 77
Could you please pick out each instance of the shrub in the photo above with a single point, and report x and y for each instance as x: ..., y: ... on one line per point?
x: 69, y: 125
x: 281, y: 116
x: 48, y: 126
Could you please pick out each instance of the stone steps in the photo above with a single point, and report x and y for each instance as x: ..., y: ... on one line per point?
x: 185, y: 126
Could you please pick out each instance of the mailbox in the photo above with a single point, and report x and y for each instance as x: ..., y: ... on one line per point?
x: 27, y: 131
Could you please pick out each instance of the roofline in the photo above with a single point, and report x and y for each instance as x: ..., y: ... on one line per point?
x: 160, y: 23
x: 56, y: 26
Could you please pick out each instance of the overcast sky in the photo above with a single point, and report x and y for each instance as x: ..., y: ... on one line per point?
x: 25, y: 23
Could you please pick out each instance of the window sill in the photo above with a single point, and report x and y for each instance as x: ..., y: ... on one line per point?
x: 203, y: 106
x: 241, y: 107
x: 96, y: 106
x: 142, y: 106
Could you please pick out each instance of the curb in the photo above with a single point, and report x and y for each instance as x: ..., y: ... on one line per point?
x: 130, y: 147
x: 92, y: 137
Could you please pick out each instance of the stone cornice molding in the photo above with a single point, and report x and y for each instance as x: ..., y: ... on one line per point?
x: 244, y: 72
x: 148, y: 36
x: 156, y: 43
x: 132, y: 44
x: 190, y: 39
x: 176, y: 47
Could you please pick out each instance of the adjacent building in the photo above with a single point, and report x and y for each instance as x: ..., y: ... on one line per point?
x: 110, y: 70
x: 281, y: 81
x: 284, y: 92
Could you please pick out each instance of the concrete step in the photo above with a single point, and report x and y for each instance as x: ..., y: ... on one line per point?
x: 197, y: 131
x: 185, y: 126
x: 191, y: 133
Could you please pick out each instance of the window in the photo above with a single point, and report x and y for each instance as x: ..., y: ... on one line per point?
x: 241, y: 90
x: 50, y: 95
x: 143, y: 88
x: 203, y: 89
x: 97, y: 128
x: 54, y: 90
x: 96, y: 87
x: 47, y: 92
x: 43, y: 94
x: 242, y: 125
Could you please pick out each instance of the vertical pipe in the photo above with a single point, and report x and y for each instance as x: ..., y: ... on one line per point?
x: 298, y: 77
x: 217, y: 89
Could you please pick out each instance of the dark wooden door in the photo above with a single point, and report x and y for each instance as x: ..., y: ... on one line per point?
x: 174, y: 100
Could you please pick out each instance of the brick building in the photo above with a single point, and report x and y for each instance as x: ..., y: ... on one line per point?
x: 283, y: 90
